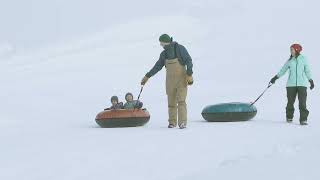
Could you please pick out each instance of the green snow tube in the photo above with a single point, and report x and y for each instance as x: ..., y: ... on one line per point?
x: 229, y: 112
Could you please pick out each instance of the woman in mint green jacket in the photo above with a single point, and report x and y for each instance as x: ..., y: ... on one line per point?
x: 299, y: 78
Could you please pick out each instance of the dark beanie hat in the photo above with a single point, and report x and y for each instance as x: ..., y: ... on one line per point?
x: 165, y: 38
x: 114, y: 98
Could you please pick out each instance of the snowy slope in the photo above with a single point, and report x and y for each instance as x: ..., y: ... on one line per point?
x: 51, y: 94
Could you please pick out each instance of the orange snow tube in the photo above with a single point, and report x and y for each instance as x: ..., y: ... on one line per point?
x: 123, y: 118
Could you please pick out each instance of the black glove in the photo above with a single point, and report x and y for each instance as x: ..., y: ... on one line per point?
x: 311, y: 84
x: 138, y: 105
x: 273, y: 80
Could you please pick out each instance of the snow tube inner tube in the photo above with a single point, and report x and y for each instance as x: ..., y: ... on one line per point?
x: 229, y: 112
x: 122, y: 118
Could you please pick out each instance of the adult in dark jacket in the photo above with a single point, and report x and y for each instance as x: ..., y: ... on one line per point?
x: 178, y: 63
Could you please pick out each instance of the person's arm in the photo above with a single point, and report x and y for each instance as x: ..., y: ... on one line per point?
x: 157, y: 67
x: 187, y: 58
x: 283, y: 70
x: 110, y: 108
x: 308, y: 74
x: 138, y: 104
x: 280, y: 73
x: 120, y: 105
x: 307, y: 70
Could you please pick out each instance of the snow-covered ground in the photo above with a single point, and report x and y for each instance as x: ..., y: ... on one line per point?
x: 50, y: 94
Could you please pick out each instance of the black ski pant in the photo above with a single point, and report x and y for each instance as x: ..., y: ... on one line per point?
x: 292, y: 93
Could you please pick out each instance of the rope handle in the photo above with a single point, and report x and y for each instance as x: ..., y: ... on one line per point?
x: 269, y: 85
x: 139, y: 96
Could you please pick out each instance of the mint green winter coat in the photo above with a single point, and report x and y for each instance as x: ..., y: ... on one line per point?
x: 299, y: 72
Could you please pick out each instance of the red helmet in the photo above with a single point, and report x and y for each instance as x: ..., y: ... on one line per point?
x: 297, y: 47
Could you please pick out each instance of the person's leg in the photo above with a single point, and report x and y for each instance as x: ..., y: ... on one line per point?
x: 172, y: 107
x: 291, y: 95
x: 182, y: 105
x: 302, y: 96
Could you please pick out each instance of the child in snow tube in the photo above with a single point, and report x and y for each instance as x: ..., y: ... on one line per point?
x: 129, y: 115
x: 115, y: 104
x: 132, y: 104
x: 299, y: 78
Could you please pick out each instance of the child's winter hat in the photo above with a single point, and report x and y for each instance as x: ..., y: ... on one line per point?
x: 114, y: 98
x: 297, y: 47
x: 165, y: 38
x: 128, y: 95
